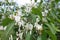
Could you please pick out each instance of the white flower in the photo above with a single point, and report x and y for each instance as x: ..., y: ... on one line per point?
x: 17, y: 34
x: 11, y: 37
x: 29, y: 26
x: 25, y: 18
x: 3, y: 17
x: 35, y: 5
x: 38, y: 0
x: 21, y: 23
x: 1, y: 28
x: 30, y: 32
x: 46, y: 11
x: 38, y: 27
x: 49, y: 9
x: 28, y: 9
x: 32, y: 1
x: 3, y: 6
x: 11, y: 16
x: 17, y: 18
x: 37, y: 20
x: 20, y: 13
x: 5, y: 27
x: 20, y: 35
x: 43, y: 13
x: 44, y: 19
x: 17, y: 38
x: 11, y: 7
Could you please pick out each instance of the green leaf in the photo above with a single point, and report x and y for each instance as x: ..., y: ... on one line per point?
x: 5, y: 34
x: 34, y: 34
x: 28, y: 36
x: 53, y: 36
x: 55, y: 27
x: 44, y: 35
x: 9, y: 28
x: 35, y: 0
x: 55, y: 17
x: 50, y: 19
x: 57, y: 1
x: 51, y: 28
x: 31, y: 18
x: 6, y: 21
x: 2, y: 34
x: 37, y: 11
x: 0, y: 16
x: 39, y: 38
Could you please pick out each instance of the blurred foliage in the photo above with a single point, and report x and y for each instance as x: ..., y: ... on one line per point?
x: 50, y: 27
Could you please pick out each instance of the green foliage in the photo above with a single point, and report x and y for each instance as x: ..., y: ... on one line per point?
x: 28, y: 36
x: 50, y: 27
x: 37, y: 11
x: 5, y: 34
x: 6, y: 21
x: 31, y: 18
x: 35, y: 0
x: 53, y: 36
